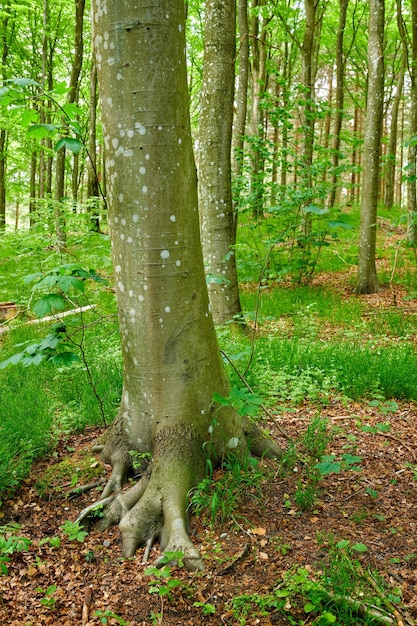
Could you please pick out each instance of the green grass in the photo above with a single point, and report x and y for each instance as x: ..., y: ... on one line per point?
x: 39, y: 403
x: 314, y: 343
x: 26, y: 423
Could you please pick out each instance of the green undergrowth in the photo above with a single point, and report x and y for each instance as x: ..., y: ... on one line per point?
x: 313, y: 344
x: 341, y: 590
x: 68, y: 373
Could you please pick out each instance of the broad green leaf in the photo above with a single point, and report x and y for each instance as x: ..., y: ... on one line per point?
x: 12, y: 360
x: 339, y: 224
x: 40, y: 131
x: 48, y: 304
x: 343, y: 544
x: 72, y: 144
x: 60, y: 89
x: 71, y: 109
x: 47, y: 281
x: 351, y: 459
x: 51, y: 341
x: 359, y: 547
x: 33, y: 359
x: 70, y: 282
x: 65, y: 358
x: 24, y: 82
x: 29, y: 116
x: 312, y: 208
x: 328, y: 465
x: 30, y: 278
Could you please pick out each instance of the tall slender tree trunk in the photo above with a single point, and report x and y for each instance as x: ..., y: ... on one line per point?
x: 218, y: 233
x: 339, y: 99
x: 367, y: 281
x: 59, y: 192
x: 391, y: 158
x: 258, y: 72
x: 241, y: 99
x: 3, y: 142
x: 92, y: 175
x: 171, y: 361
x: 3, y: 132
x: 412, y: 150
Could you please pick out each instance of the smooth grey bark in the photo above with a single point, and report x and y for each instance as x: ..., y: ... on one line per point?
x: 412, y: 150
x: 217, y: 218
x: 92, y: 177
x: 259, y: 78
x: 309, y: 53
x: 339, y: 99
x: 367, y: 281
x: 5, y: 43
x: 391, y: 158
x: 171, y: 360
x: 241, y: 99
x: 59, y: 190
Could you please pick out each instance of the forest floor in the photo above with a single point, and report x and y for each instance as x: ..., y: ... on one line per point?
x: 245, y: 555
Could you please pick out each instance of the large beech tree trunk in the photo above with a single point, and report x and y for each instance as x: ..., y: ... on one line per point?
x: 172, y: 364
x: 367, y: 281
x: 218, y: 223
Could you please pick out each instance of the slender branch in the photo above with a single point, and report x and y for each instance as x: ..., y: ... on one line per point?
x: 263, y: 407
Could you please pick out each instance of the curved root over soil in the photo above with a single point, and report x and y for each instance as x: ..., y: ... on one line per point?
x: 156, y: 507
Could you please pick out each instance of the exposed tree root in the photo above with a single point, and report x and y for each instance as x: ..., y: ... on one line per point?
x: 155, y: 508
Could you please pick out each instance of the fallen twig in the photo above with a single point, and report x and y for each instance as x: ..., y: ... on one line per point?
x: 87, y: 603
x: 236, y: 559
x: 77, y: 491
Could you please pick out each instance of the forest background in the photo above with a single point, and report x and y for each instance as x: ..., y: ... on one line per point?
x: 302, y: 218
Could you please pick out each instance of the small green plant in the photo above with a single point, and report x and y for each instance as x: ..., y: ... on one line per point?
x: 218, y: 500
x: 156, y: 618
x: 242, y: 400
x: 163, y: 583
x: 105, y: 615
x: 74, y: 531
x: 329, y: 465
x: 206, y: 607
x: 10, y: 543
x: 53, y: 542
x: 340, y: 591
x: 48, y: 599
x: 413, y: 468
x: 382, y: 427
x: 139, y: 459
x: 302, y: 456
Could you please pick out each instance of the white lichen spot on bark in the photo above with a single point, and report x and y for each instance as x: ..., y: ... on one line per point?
x: 165, y: 254
x: 121, y: 286
x: 140, y: 128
